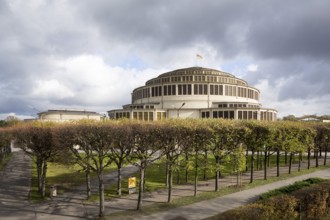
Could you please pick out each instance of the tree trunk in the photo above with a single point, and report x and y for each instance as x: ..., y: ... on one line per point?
x: 88, y: 183
x: 290, y: 162
x: 316, y: 158
x: 101, y: 192
x: 300, y: 159
x: 309, y: 158
x: 268, y: 160
x: 246, y: 159
x: 196, y: 173
x: 286, y: 158
x: 325, y: 155
x: 178, y: 173
x: 119, y: 179
x: 252, y: 166
x: 141, y: 183
x: 43, y: 179
x: 278, y: 163
x: 187, y: 168
x: 265, y: 165
x: 144, y: 179
x: 258, y: 160
x: 205, y: 165
x: 167, y: 174
x: 39, y: 174
x: 169, y: 198
x: 217, y: 161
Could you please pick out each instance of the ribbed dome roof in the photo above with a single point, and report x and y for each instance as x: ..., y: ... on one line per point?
x: 196, y: 71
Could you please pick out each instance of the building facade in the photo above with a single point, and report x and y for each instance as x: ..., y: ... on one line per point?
x: 195, y: 92
x: 68, y: 115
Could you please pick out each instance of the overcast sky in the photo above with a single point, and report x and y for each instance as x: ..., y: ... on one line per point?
x: 64, y: 54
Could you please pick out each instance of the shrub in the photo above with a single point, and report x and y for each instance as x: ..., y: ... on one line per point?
x: 249, y: 212
x: 291, y: 188
x: 284, y: 207
x: 314, y: 201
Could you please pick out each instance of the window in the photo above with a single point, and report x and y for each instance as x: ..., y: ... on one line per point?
x: 200, y: 89
x: 161, y: 116
x: 205, y: 89
x: 151, y: 116
x: 184, y: 89
x: 250, y: 115
x: 205, y: 114
x: 231, y: 114
x: 173, y: 90
x: 240, y: 115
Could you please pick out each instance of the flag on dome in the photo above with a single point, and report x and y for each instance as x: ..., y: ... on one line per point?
x: 199, y: 56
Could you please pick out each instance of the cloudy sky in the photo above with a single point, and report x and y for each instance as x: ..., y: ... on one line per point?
x: 91, y: 54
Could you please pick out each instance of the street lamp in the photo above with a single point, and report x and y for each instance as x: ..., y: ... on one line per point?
x: 180, y: 108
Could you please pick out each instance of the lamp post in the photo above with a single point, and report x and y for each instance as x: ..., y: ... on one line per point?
x: 179, y: 109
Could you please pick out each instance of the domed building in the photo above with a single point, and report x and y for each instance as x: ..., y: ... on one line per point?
x: 195, y: 92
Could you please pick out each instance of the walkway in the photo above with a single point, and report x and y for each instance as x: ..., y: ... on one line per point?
x: 15, y: 182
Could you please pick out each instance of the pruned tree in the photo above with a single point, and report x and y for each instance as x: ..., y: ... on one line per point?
x: 95, y: 140
x: 170, y: 145
x: 255, y: 140
x: 226, y: 135
x: 124, y: 142
x: 199, y: 137
x: 69, y: 136
x: 145, y: 151
x: 36, y: 140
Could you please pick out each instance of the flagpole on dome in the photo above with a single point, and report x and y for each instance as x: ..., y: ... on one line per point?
x: 198, y: 57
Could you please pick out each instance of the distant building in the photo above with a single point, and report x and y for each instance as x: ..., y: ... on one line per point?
x: 195, y: 92
x: 308, y: 118
x: 68, y: 115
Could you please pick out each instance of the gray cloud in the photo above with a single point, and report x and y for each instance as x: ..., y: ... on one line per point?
x: 288, y: 40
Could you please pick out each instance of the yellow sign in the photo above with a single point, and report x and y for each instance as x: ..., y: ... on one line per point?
x: 131, y: 182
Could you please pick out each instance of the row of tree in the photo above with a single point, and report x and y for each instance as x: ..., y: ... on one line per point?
x: 95, y: 145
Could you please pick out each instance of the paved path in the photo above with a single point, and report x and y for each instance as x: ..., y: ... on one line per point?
x: 15, y: 182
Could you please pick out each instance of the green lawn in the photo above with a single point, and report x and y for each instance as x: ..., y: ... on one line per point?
x: 63, y: 176
x: 156, y: 173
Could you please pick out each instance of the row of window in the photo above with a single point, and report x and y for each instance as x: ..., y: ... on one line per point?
x: 267, y: 116
x: 196, y: 78
x: 231, y: 105
x: 241, y: 115
x: 141, y: 106
x: 247, y: 115
x: 219, y: 114
x: 143, y: 116
x: 198, y: 89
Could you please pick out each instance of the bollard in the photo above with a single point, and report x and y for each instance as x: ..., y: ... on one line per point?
x: 53, y: 191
